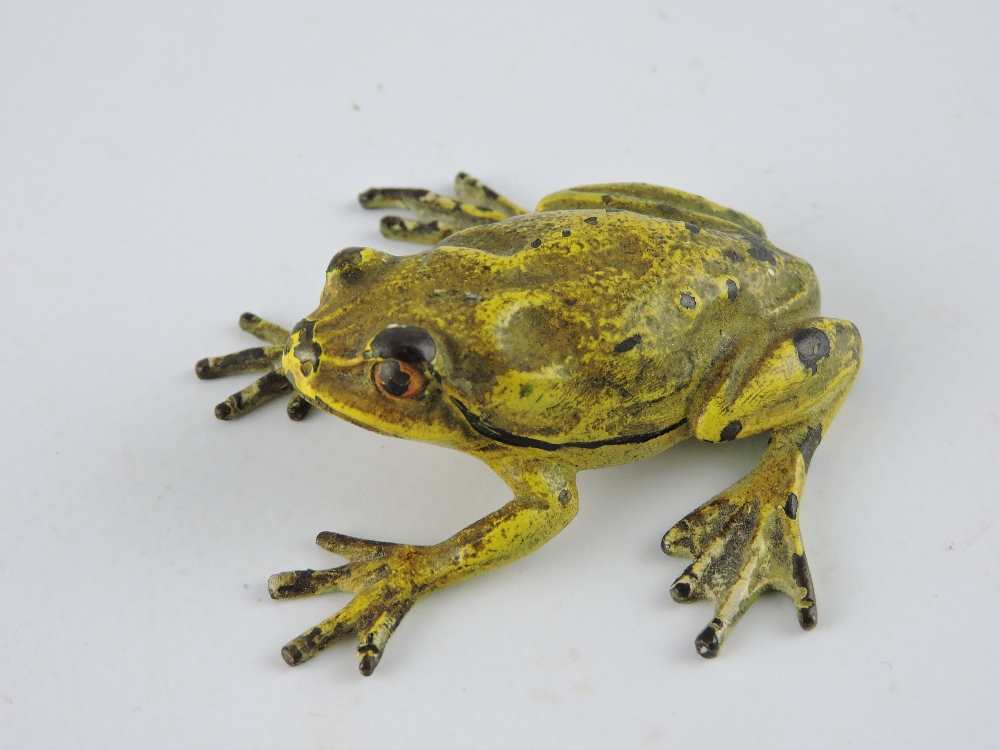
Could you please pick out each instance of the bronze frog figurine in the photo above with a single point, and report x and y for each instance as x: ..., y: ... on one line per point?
x: 607, y: 325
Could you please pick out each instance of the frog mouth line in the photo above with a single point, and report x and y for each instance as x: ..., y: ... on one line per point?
x: 485, y: 429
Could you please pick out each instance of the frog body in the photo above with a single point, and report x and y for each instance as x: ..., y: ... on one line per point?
x: 609, y: 324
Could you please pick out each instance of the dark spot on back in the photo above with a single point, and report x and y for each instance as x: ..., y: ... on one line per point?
x: 731, y: 430
x: 692, y: 228
x: 732, y: 255
x: 569, y: 302
x: 792, y: 505
x: 606, y: 199
x: 428, y: 228
x: 536, y: 243
x: 563, y: 497
x: 688, y: 301
x: 592, y: 220
x: 731, y: 289
x: 758, y: 251
x: 566, y: 233
x: 812, y: 345
x: 624, y: 393
x: 814, y: 435
x: 628, y: 344
x: 491, y: 194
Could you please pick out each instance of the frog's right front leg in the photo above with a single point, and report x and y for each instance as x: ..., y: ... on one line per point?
x: 388, y: 579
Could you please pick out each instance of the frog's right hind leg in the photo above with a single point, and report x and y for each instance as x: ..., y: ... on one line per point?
x: 746, y: 540
x: 439, y: 216
x: 652, y: 200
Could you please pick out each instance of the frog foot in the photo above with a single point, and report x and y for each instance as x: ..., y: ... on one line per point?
x: 440, y: 215
x: 258, y: 359
x: 744, y: 542
x: 382, y: 577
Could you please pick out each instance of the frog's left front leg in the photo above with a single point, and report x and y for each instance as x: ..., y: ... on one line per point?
x: 388, y: 579
x: 746, y: 540
x: 440, y: 216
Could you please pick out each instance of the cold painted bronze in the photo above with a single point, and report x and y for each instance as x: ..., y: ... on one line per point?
x: 611, y: 323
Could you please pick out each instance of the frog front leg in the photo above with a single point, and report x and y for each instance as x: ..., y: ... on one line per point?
x: 440, y: 215
x: 388, y: 579
x: 746, y: 540
x: 258, y: 359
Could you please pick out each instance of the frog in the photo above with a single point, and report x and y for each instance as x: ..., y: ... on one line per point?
x: 607, y: 325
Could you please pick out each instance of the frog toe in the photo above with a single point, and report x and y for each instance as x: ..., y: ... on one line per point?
x: 265, y: 359
x: 420, y: 232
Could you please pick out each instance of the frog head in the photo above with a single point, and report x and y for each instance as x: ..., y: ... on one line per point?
x: 370, y: 355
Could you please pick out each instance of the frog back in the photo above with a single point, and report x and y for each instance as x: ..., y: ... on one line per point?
x: 582, y: 326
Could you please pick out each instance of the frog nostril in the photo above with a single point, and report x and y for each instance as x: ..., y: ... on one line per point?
x: 307, y: 350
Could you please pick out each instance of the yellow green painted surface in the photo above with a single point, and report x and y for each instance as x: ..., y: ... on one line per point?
x: 607, y: 325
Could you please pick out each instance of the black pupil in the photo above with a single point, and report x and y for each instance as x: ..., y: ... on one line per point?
x: 394, y: 380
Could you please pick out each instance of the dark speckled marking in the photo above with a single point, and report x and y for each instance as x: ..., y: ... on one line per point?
x: 628, y: 344
x: 688, y: 301
x: 731, y: 289
x: 810, y: 442
x: 792, y: 505
x: 592, y: 220
x: 758, y: 251
x: 812, y: 345
x: 536, y: 243
x: 731, y: 430
x: 606, y: 199
x: 566, y: 233
x: 692, y: 228
x: 563, y: 497
x: 732, y: 255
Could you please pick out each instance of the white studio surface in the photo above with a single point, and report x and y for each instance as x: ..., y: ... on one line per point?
x: 166, y: 166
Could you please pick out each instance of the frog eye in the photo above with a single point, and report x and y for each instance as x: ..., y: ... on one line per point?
x: 398, y: 379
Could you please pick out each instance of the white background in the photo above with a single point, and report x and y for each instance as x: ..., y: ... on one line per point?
x: 166, y: 166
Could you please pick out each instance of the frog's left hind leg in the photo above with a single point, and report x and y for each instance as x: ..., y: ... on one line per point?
x: 746, y: 540
x: 439, y: 215
x: 258, y: 359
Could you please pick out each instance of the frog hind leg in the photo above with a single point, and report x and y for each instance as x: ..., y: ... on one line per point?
x: 439, y: 215
x: 746, y: 540
x: 265, y: 359
x: 652, y: 200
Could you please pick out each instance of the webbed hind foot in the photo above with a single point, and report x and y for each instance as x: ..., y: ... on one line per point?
x: 744, y: 542
x: 258, y: 359
x: 440, y: 216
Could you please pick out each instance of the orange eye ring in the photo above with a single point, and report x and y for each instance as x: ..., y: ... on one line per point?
x: 397, y: 379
